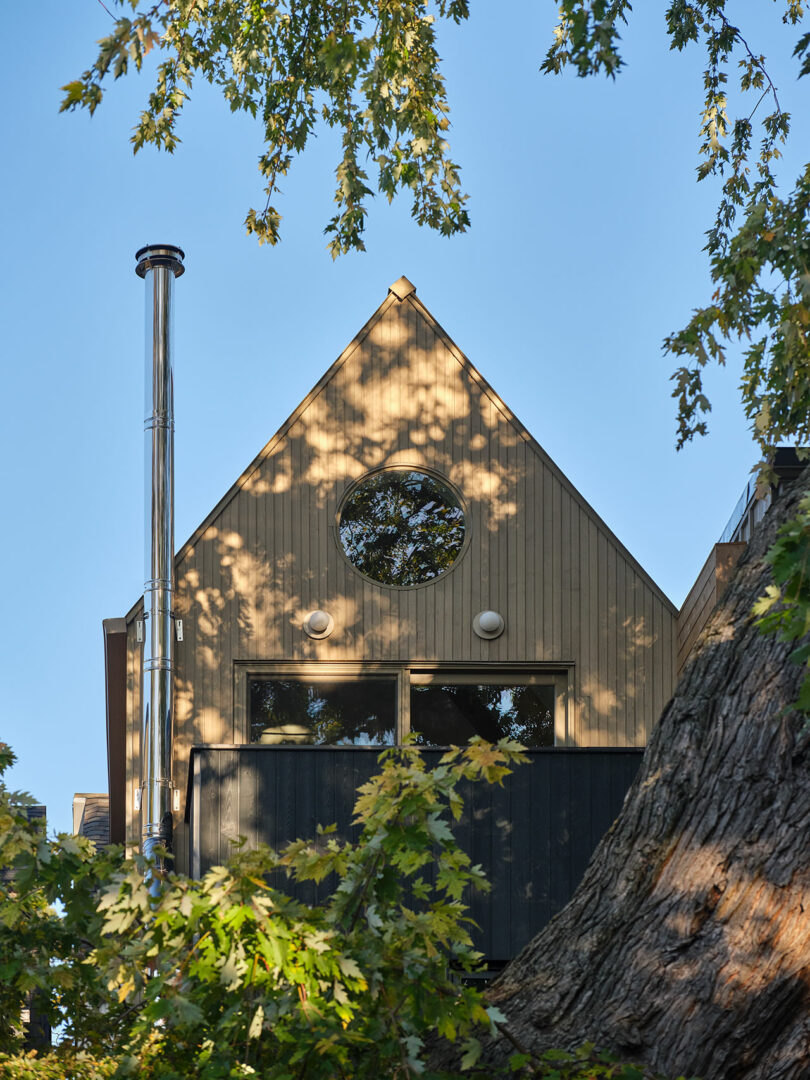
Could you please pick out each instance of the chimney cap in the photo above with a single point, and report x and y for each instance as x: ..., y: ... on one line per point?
x: 160, y: 255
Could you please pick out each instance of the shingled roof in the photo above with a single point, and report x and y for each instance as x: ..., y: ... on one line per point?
x: 91, y: 817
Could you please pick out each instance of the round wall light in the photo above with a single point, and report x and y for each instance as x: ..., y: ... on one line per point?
x: 319, y: 624
x: 488, y: 624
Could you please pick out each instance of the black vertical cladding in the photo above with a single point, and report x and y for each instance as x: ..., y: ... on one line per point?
x: 539, y: 826
x: 229, y: 824
x: 477, y: 798
x: 533, y: 836
x: 346, y: 783
x: 601, y: 802
x: 265, y: 794
x: 325, y: 811
x: 248, y: 813
x: 621, y: 783
x: 211, y: 785
x: 306, y: 824
x: 503, y: 855
x: 563, y: 813
x: 583, y: 772
x: 464, y: 831
x: 526, y: 834
x: 285, y: 823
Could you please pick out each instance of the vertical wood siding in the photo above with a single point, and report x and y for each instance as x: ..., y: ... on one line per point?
x: 402, y: 394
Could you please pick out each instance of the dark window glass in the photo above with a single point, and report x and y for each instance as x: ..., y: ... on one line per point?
x: 402, y: 527
x: 453, y: 713
x: 356, y: 712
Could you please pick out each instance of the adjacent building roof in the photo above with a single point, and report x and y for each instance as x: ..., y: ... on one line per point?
x: 91, y: 816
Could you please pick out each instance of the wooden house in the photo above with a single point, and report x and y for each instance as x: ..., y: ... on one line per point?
x: 402, y: 556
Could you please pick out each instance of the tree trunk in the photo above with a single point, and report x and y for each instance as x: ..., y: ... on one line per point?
x: 687, y: 945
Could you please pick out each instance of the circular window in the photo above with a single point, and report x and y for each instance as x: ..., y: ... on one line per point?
x: 402, y: 527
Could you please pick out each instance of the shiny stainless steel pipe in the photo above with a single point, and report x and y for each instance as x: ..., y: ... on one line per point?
x: 158, y: 265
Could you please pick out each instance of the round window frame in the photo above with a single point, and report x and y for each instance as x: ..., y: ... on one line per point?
x: 407, y: 468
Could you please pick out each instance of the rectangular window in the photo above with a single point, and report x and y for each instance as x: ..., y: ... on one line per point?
x: 322, y: 710
x: 447, y: 710
x: 355, y: 704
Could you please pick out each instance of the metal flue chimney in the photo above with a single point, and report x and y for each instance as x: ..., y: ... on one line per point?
x: 158, y: 265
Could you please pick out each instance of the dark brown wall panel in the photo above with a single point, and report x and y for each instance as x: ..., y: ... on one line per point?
x: 533, y: 836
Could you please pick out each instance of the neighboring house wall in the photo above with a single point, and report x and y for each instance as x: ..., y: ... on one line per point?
x: 787, y: 463
x: 575, y: 603
x: 704, y: 595
x: 116, y: 660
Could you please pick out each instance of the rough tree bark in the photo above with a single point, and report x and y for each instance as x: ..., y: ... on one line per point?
x: 687, y: 945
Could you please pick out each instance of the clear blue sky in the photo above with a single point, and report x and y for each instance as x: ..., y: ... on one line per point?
x: 585, y: 251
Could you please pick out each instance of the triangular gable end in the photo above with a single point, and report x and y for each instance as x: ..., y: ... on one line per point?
x: 403, y: 307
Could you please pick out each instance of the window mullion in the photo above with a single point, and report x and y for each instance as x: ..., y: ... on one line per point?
x: 404, y: 711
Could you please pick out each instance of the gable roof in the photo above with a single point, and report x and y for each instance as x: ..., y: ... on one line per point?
x: 404, y: 292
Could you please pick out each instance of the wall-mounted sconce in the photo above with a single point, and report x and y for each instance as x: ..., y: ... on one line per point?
x: 319, y: 624
x: 488, y: 624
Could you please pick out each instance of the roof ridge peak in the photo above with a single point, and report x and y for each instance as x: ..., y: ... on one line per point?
x: 402, y: 287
